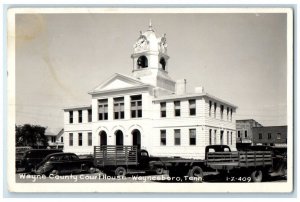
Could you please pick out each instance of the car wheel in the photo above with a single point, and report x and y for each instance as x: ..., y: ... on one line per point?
x: 54, y: 172
x: 120, y: 172
x: 159, y: 171
x: 256, y: 176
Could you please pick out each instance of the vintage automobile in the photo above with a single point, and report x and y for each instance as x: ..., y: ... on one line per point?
x: 64, y: 163
x: 31, y: 158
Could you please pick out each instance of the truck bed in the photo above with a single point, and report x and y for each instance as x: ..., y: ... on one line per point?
x: 239, y: 159
x: 115, y: 155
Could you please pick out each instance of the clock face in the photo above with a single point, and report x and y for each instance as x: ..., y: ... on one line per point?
x: 141, y: 44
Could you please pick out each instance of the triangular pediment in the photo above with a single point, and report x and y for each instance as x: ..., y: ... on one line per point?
x: 118, y: 81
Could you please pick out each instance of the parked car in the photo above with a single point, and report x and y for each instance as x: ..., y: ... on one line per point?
x: 64, y: 163
x: 33, y: 157
x: 20, y: 151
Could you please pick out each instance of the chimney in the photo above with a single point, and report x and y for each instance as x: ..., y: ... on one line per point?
x: 199, y: 89
x: 180, y: 87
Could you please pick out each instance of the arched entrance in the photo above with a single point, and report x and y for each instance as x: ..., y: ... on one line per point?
x: 103, y: 138
x: 119, y: 138
x: 136, y: 138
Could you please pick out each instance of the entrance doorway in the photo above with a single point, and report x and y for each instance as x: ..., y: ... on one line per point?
x: 103, y: 138
x: 136, y: 138
x: 119, y: 138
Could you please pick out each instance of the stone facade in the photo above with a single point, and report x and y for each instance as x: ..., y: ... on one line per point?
x: 151, y: 110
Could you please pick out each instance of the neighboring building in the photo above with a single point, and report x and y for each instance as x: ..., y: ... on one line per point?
x: 55, y: 140
x: 244, y: 132
x: 149, y: 109
x: 271, y: 136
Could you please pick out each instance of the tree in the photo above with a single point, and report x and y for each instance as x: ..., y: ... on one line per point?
x: 31, y: 135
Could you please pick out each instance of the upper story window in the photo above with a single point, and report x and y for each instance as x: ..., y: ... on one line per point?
x: 163, y: 110
x: 230, y: 114
x: 239, y: 133
x: 119, y: 108
x: 227, y: 113
x: 53, y: 139
x: 260, y: 136
x: 162, y: 63
x: 246, y: 134
x: 269, y: 136
x: 142, y: 62
x: 222, y: 111
x: 278, y: 136
x: 163, y: 137
x: 70, y: 116
x: 136, y: 106
x: 177, y: 136
x: 61, y: 139
x: 192, y: 106
x: 177, y: 108
x: 79, y: 116
x: 210, y: 106
x: 103, y: 109
x: 215, y: 110
x: 89, y: 115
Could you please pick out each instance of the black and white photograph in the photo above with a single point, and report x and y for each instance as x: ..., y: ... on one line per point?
x: 150, y: 100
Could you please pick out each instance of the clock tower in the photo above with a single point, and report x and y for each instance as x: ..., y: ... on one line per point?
x: 150, y: 60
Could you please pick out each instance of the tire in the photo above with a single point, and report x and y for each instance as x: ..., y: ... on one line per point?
x: 159, y: 171
x: 120, y: 172
x: 196, y: 172
x: 54, y: 172
x: 92, y: 170
x: 256, y: 176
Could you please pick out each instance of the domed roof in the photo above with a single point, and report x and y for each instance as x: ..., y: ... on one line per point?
x: 148, y: 41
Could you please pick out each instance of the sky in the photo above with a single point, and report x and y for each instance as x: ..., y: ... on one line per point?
x: 240, y: 58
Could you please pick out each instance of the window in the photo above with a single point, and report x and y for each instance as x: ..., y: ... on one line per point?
x: 163, y: 111
x: 136, y: 106
x: 278, y: 136
x: 230, y: 114
x: 163, y: 137
x: 210, y: 105
x: 79, y: 116
x: 102, y: 109
x: 210, y: 137
x: 90, y: 141
x: 227, y: 137
x: 227, y: 113
x: 193, y: 136
x: 162, y: 62
x: 71, y: 139
x: 177, y: 108
x: 70, y: 116
x: 215, y: 137
x: 239, y: 134
x: 222, y: 111
x: 215, y: 110
x: 260, y: 136
x: 231, y: 138
x: 246, y: 134
x: 53, y: 139
x: 221, y: 137
x: 61, y: 139
x: 119, y: 108
x: 177, y: 136
x: 89, y: 115
x: 269, y: 135
x: 79, y: 139
x: 142, y: 62
x: 192, y: 104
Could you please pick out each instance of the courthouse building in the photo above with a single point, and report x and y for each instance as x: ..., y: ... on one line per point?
x: 151, y: 110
